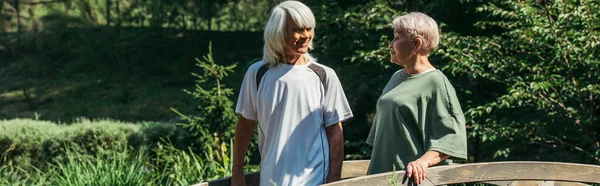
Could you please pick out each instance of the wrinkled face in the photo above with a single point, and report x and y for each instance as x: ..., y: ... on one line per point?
x: 402, y: 48
x: 297, y: 39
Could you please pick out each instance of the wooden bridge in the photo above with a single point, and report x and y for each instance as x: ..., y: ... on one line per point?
x: 514, y: 173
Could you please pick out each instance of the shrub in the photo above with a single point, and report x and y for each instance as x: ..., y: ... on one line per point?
x: 126, y: 168
x: 25, y: 142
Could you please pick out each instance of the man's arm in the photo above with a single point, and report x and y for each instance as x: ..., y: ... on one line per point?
x: 244, y: 128
x: 335, y: 136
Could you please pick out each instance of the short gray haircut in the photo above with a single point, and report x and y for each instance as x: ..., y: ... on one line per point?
x: 275, y: 31
x: 418, y: 25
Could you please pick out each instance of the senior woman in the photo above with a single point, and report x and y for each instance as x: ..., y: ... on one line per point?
x: 419, y: 122
x: 299, y: 105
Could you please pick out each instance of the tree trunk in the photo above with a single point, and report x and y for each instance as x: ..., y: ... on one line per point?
x: 108, y: 12
x: 2, y: 29
x: 118, y: 15
x: 18, y: 9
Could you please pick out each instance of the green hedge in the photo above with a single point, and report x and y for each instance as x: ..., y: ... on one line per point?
x: 25, y: 142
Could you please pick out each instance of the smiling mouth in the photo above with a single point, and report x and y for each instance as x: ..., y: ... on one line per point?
x: 302, y: 43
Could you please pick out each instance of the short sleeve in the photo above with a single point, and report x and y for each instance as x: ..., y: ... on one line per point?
x: 246, y: 103
x: 447, y: 133
x: 336, y: 105
x: 371, y: 138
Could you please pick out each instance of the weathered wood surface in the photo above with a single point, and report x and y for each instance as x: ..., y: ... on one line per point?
x: 534, y: 183
x: 354, y: 168
x: 350, y: 169
x: 252, y: 179
x: 498, y: 173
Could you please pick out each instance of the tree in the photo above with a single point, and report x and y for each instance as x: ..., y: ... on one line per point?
x: 533, y: 89
x: 216, y: 119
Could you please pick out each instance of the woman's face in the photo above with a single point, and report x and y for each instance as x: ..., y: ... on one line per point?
x: 297, y: 39
x: 402, y: 49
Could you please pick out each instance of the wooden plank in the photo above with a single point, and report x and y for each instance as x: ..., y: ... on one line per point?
x: 499, y: 171
x: 350, y: 169
x: 534, y: 183
x: 383, y: 179
x: 355, y: 168
x: 375, y: 180
x: 499, y: 183
x: 252, y: 179
x: 559, y: 173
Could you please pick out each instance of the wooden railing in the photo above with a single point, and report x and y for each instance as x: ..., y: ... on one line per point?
x: 495, y: 173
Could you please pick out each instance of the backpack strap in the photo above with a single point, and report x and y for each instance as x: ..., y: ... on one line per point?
x: 320, y: 71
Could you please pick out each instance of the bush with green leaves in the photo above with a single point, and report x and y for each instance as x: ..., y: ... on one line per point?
x: 532, y: 91
x: 25, y: 143
x: 526, y: 72
x: 112, y: 168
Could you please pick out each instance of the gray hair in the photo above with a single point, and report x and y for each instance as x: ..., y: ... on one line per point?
x: 418, y: 25
x: 275, y: 31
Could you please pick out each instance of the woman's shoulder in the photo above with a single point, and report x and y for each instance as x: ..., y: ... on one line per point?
x: 256, y: 65
x: 438, y: 76
x: 398, y: 73
x: 441, y: 82
x: 328, y: 70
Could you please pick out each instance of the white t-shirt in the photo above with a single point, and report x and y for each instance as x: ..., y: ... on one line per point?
x: 293, y: 109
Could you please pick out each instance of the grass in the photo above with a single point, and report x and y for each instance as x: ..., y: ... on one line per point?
x: 111, y: 169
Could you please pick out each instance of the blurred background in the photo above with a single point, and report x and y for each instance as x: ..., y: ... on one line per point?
x: 132, y: 92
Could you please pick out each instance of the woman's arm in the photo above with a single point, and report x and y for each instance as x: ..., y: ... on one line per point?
x: 417, y: 168
x: 243, y: 134
x: 335, y: 136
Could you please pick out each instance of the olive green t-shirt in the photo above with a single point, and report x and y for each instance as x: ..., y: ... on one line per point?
x: 416, y: 114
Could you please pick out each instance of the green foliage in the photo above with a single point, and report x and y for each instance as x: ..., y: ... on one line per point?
x: 186, y: 167
x: 181, y: 167
x: 393, y: 178
x: 544, y: 73
x: 214, y: 124
x: 222, y: 15
x: 11, y: 175
x: 526, y: 73
x: 114, y: 168
x: 352, y: 41
x: 216, y: 120
x: 28, y: 143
